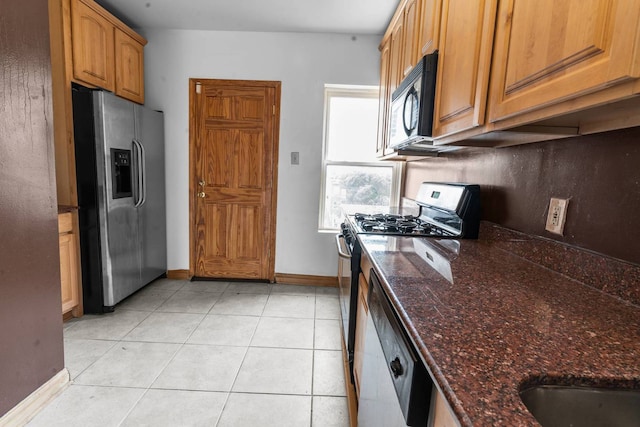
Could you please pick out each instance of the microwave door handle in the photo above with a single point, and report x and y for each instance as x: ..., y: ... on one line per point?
x: 412, y: 99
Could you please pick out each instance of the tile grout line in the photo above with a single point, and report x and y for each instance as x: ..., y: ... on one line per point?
x: 166, y: 364
x: 226, y: 401
x: 313, y: 355
x: 181, y: 345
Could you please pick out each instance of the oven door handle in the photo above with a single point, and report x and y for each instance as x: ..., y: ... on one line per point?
x: 339, y: 243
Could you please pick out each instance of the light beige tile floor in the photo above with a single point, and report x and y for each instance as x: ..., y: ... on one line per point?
x: 180, y: 353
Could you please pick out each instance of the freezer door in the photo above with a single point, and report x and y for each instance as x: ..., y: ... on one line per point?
x: 152, y: 212
x: 115, y: 131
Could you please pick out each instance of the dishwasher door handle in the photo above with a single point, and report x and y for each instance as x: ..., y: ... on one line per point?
x: 339, y: 243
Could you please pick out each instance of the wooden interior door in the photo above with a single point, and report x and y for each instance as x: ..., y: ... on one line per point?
x: 233, y: 145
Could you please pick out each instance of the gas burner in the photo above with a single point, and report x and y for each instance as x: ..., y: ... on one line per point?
x: 407, y: 226
x: 392, y: 218
x: 397, y: 225
x: 368, y: 225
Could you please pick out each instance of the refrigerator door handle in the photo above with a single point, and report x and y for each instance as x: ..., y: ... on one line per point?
x: 141, y: 184
x: 143, y: 175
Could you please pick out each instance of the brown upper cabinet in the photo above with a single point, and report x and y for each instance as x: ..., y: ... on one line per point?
x: 411, y: 17
x: 396, y: 50
x: 129, y: 66
x: 384, y: 99
x: 106, y: 53
x: 429, y: 28
x: 548, y: 51
x: 92, y: 43
x: 519, y: 71
x: 466, y: 36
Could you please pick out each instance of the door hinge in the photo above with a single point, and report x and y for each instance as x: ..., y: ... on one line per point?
x: 198, y: 88
x: 274, y: 110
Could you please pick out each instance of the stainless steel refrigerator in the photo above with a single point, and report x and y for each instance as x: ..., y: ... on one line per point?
x: 119, y: 148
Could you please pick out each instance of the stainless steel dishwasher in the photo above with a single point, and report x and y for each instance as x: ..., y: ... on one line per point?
x: 396, y: 388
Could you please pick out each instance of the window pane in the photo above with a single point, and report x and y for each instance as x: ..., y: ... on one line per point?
x: 352, y: 129
x: 354, y: 187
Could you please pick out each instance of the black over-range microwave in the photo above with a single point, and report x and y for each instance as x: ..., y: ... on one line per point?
x: 412, y: 104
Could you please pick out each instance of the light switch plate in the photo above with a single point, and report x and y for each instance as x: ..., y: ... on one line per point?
x: 295, y: 158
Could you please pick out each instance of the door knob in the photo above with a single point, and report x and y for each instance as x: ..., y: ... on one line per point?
x: 201, y: 194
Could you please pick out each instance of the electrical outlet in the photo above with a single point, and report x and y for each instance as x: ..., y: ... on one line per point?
x: 295, y: 158
x: 557, y: 215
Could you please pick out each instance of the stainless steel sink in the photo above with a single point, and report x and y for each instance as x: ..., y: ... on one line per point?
x: 582, y: 406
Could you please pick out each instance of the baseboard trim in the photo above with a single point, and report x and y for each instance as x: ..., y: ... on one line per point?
x: 302, y: 279
x: 178, y: 274
x: 29, y: 407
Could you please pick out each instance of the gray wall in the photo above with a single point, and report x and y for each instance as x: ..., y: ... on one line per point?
x: 600, y: 174
x: 30, y: 312
x: 303, y: 62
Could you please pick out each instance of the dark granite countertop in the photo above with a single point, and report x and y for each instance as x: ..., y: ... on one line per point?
x: 491, y: 315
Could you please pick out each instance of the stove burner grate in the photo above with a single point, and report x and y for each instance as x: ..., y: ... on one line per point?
x: 397, y: 224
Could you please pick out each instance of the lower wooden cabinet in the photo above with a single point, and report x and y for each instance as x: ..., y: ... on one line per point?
x: 440, y: 413
x: 361, y: 326
x: 68, y: 263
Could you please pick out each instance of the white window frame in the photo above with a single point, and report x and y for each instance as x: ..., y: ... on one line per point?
x: 396, y: 166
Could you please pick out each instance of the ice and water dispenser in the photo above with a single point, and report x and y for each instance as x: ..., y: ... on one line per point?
x: 121, y: 173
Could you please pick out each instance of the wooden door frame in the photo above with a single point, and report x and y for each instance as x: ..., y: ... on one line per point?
x: 193, y: 117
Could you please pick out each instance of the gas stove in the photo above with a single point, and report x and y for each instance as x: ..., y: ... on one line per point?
x: 393, y: 224
x: 446, y: 210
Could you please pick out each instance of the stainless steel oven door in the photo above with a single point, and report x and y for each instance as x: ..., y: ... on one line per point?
x: 344, y: 282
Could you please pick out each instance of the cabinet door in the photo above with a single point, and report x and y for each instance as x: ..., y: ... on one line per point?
x: 68, y: 271
x: 429, y: 27
x: 92, y: 43
x: 548, y: 51
x: 129, y: 63
x: 384, y: 100
x: 361, y: 325
x: 395, y: 54
x: 440, y: 414
x: 411, y: 23
x: 463, y: 70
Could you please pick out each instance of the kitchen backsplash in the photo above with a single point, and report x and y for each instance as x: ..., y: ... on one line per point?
x: 599, y: 174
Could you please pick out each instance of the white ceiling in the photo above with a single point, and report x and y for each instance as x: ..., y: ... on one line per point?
x: 317, y: 16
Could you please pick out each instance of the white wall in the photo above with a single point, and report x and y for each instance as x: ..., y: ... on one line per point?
x: 303, y: 63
